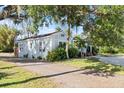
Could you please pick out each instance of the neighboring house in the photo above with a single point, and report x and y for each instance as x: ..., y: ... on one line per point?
x: 39, y: 46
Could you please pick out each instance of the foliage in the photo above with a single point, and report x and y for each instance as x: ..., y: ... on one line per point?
x: 103, y: 25
x: 121, y: 50
x: 7, y: 36
x: 70, y: 15
x: 108, y: 50
x: 58, y: 29
x: 111, y: 50
x: 107, y: 27
x: 13, y: 12
x: 73, y: 52
x: 95, y: 50
x: 60, y: 54
x: 57, y: 54
x: 39, y: 57
x: 79, y: 42
x: 39, y: 15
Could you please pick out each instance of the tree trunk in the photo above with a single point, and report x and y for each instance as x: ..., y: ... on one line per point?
x: 67, y: 42
x: 67, y: 48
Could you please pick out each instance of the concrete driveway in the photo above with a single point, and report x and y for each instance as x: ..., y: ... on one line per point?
x: 66, y: 76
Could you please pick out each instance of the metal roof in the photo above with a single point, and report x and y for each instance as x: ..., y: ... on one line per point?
x: 38, y: 36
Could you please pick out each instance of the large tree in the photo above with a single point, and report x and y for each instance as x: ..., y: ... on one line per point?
x: 107, y: 26
x: 64, y: 15
x: 12, y: 12
x: 70, y: 15
x: 103, y: 25
x: 38, y: 14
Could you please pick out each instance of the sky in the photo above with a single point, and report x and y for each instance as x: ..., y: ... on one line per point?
x: 42, y: 30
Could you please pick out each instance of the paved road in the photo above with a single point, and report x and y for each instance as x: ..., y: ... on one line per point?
x: 115, y: 59
x: 67, y: 76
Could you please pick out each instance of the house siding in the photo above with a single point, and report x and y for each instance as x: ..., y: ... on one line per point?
x: 39, y: 47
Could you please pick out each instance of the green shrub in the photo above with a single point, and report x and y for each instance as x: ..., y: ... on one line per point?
x: 103, y: 50
x: 73, y: 52
x: 108, y: 50
x: 60, y: 54
x: 39, y: 57
x: 7, y: 50
x: 121, y: 50
x: 113, y: 51
x: 57, y: 54
x: 95, y: 50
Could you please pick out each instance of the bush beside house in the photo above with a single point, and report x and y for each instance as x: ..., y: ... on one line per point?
x: 60, y: 54
x: 73, y: 52
x: 57, y: 54
x: 7, y: 36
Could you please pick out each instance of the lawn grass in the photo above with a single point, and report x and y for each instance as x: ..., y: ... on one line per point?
x: 12, y: 76
x: 94, y: 65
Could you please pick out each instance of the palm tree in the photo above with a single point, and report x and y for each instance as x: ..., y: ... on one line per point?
x: 66, y: 15
x: 70, y: 15
x: 79, y: 42
x: 58, y: 29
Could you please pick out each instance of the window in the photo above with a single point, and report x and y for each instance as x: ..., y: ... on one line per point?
x: 40, y: 46
x: 43, y: 42
x: 35, y: 42
x: 40, y: 43
x: 44, y: 49
x: 30, y: 45
x: 62, y: 44
x: 40, y: 49
x: 62, y: 35
x: 21, y: 47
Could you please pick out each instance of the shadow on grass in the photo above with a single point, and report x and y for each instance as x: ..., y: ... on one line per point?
x: 3, y: 74
x: 40, y: 77
x: 101, y: 69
